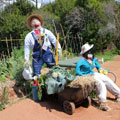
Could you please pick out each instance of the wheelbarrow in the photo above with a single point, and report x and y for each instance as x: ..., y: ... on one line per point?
x: 71, y: 94
x: 70, y: 97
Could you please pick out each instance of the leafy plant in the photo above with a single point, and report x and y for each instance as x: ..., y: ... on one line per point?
x: 41, y: 85
x: 117, y: 51
x: 4, y: 71
x: 3, y: 98
x: 72, y: 71
x: 93, y: 95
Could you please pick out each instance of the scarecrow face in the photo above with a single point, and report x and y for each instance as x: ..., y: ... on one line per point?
x: 89, y: 54
x: 35, y: 23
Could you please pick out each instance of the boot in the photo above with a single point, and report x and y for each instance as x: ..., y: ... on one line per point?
x: 103, y: 106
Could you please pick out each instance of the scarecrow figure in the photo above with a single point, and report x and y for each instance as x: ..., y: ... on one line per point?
x: 85, y: 67
x: 39, y: 40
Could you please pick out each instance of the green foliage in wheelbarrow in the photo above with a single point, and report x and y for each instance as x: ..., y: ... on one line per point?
x: 57, y: 78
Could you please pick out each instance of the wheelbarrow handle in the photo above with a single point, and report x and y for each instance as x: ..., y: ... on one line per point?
x: 113, y: 75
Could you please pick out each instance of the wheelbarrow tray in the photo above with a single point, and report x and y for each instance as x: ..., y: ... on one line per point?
x: 72, y: 96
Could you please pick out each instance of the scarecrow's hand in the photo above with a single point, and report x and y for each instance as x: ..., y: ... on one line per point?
x: 59, y: 52
x: 101, y: 70
x: 105, y: 72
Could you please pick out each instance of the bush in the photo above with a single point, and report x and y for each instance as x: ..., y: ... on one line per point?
x: 117, y: 51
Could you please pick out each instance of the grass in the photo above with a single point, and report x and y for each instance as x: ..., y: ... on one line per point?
x: 108, y: 56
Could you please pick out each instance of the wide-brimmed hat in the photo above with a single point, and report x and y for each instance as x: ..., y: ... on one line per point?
x: 34, y: 16
x: 86, y: 47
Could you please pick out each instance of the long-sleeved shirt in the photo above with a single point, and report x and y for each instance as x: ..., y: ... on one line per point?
x: 29, y: 42
x: 83, y: 67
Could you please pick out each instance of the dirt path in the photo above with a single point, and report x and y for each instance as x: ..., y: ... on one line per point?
x: 29, y: 110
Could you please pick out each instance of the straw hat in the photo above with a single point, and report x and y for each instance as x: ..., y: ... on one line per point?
x: 34, y: 16
x: 86, y: 47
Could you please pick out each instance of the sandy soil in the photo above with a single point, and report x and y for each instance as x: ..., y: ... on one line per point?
x: 27, y: 109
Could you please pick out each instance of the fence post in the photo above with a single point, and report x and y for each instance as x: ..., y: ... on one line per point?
x: 7, y: 48
x: 11, y: 42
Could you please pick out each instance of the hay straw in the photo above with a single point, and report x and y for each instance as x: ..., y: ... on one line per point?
x: 84, y: 81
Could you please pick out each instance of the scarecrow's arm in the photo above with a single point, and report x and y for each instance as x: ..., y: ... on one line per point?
x: 53, y: 39
x: 98, y: 66
x: 27, y: 48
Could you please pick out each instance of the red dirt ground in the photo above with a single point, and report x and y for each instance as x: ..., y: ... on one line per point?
x: 27, y: 109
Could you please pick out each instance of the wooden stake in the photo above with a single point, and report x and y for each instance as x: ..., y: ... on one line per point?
x: 11, y: 42
x: 7, y: 48
x: 57, y: 49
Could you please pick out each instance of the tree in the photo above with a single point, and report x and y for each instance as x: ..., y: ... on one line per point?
x: 60, y: 7
x: 13, y: 21
x: 77, y: 20
x: 13, y: 24
x: 24, y: 6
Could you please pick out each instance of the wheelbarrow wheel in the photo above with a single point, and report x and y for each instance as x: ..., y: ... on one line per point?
x: 69, y: 107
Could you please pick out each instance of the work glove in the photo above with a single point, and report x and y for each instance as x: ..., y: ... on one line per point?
x: 103, y: 71
x: 100, y: 70
x: 36, y: 77
x: 59, y: 52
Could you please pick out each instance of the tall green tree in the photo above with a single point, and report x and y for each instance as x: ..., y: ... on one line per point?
x: 13, y: 21
x: 61, y: 7
x: 24, y: 6
x: 13, y: 24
